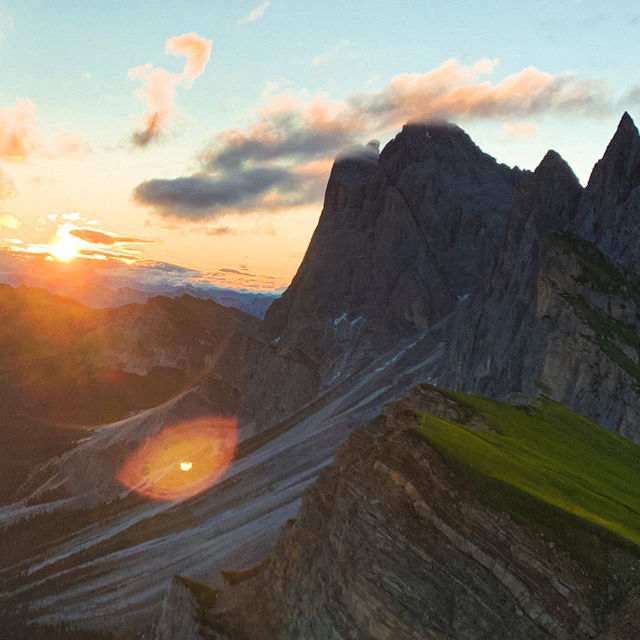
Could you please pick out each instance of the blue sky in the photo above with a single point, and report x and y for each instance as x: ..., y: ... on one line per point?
x: 72, y: 61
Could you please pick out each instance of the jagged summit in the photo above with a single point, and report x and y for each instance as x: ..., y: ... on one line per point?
x: 610, y: 209
x: 437, y: 146
x: 553, y: 161
x: 398, y: 242
x: 626, y: 126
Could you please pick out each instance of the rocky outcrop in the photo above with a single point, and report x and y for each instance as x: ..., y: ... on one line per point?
x: 390, y: 544
x: 609, y: 214
x: 589, y: 312
x: 401, y: 237
x: 436, y: 242
x: 182, y: 610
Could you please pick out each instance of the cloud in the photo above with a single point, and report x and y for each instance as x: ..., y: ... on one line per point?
x: 517, y: 130
x: 159, y: 85
x: 454, y: 90
x: 19, y: 135
x: 202, y: 196
x: 7, y: 188
x: 256, y: 13
x: 197, y: 51
x: 631, y: 98
x: 104, y: 237
x: 294, y: 133
x: 9, y: 222
x: 221, y: 231
x: 280, y: 160
x: 327, y: 57
x: 66, y: 143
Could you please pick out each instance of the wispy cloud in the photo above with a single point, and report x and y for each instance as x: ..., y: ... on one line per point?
x: 327, y: 57
x: 221, y: 231
x: 272, y: 164
x: 518, y: 130
x: 256, y: 13
x: 94, y: 236
x: 631, y: 98
x: 159, y: 85
x: 19, y: 135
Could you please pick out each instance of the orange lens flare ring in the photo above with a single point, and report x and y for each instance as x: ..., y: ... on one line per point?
x: 182, y: 460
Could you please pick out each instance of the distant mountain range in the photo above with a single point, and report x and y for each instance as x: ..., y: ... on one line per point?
x: 509, y: 513
x: 100, y: 287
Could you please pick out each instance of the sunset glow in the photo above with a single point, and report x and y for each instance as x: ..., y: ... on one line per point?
x: 64, y: 249
x: 203, y: 447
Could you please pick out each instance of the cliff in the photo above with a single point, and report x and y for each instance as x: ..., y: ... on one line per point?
x: 408, y: 535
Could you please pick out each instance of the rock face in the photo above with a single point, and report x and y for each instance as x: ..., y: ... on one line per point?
x: 609, y: 214
x: 389, y: 544
x: 401, y: 237
x: 436, y: 242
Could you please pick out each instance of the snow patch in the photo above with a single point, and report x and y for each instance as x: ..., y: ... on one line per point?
x: 339, y: 319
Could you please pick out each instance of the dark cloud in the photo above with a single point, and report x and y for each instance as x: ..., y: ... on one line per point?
x: 203, y: 196
x: 283, y: 136
x: 152, y: 131
x: 100, y: 237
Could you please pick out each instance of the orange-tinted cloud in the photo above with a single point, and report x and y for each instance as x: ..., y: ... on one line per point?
x: 265, y: 165
x: 7, y: 188
x: 454, y: 90
x: 9, y: 221
x: 104, y: 237
x: 19, y: 135
x: 159, y: 85
x: 517, y: 130
x: 197, y: 51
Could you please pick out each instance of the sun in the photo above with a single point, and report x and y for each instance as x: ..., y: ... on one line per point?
x: 186, y: 466
x: 64, y: 250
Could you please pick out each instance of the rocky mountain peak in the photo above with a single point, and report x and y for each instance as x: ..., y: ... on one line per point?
x: 610, y: 209
x: 554, y: 163
x: 549, y: 199
x: 401, y: 238
x: 618, y: 171
x: 435, y: 144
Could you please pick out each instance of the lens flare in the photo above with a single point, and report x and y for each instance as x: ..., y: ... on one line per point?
x: 182, y: 460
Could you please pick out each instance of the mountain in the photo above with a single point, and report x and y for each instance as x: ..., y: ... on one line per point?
x: 402, y: 237
x: 449, y: 516
x: 66, y: 368
x: 435, y: 242
x: 431, y: 263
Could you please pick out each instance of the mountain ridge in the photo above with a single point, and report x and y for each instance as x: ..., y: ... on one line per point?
x: 422, y: 269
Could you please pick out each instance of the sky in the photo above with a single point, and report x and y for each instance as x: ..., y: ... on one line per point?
x: 202, y: 133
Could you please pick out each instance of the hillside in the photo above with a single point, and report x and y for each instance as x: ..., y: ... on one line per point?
x: 449, y: 516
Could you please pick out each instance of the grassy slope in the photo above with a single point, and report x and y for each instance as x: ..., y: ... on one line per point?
x: 558, y: 474
x: 552, y: 454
